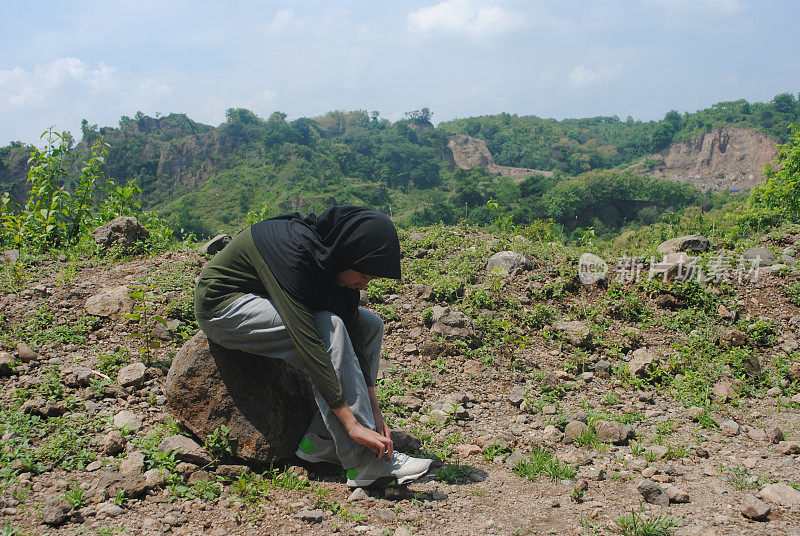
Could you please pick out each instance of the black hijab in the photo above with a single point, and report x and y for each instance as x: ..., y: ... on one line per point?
x: 305, y: 253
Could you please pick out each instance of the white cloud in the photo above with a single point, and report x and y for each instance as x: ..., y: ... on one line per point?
x: 582, y: 75
x: 281, y: 21
x: 463, y: 16
x: 19, y: 86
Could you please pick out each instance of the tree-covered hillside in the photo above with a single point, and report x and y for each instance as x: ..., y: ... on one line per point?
x: 206, y: 179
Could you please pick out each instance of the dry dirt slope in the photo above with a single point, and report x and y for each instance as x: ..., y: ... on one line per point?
x: 524, y: 384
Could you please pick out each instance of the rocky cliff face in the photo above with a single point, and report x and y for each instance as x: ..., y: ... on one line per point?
x: 726, y: 158
x: 469, y: 152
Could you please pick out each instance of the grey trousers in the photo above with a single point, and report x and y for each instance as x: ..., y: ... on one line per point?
x: 252, y: 324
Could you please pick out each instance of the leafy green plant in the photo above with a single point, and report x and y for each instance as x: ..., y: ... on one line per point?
x: 644, y: 524
x: 110, y: 364
x: 144, y: 313
x: 75, y: 496
x: 490, y: 452
x: 453, y: 473
x: 542, y: 462
x: 220, y: 443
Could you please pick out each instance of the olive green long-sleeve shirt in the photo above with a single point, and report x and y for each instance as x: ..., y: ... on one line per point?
x: 240, y: 269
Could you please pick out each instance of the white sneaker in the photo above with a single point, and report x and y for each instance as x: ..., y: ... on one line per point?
x: 401, y: 467
x: 316, y: 449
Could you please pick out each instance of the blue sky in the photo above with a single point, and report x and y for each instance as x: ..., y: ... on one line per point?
x: 64, y: 61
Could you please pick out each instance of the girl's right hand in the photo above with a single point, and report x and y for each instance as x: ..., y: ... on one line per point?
x: 380, y: 445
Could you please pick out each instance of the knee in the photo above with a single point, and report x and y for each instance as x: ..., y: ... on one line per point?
x: 370, y: 322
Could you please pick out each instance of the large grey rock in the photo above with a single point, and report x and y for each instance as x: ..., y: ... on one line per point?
x: 453, y: 324
x: 110, y: 303
x: 687, y: 243
x: 124, y: 231
x: 215, y: 245
x: 762, y: 256
x: 642, y: 363
x: 508, y: 263
x: 575, y: 331
x: 653, y: 493
x: 266, y: 403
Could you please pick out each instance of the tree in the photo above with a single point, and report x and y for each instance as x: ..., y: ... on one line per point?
x: 674, y: 119
x: 662, y: 136
x: 785, y: 103
x: 779, y: 194
x: 420, y: 116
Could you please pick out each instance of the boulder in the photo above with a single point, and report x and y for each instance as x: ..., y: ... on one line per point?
x: 113, y: 443
x: 128, y: 420
x: 575, y: 331
x: 215, y: 245
x: 110, y: 303
x: 453, y: 325
x: 508, y: 263
x: 266, y: 403
x: 760, y: 256
x: 687, y: 243
x: 124, y: 231
x: 55, y: 511
x: 723, y: 391
x: 673, y: 266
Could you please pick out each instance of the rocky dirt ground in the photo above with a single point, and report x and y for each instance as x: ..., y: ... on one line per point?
x: 552, y: 407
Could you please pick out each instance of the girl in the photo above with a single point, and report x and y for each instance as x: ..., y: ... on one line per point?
x: 287, y: 288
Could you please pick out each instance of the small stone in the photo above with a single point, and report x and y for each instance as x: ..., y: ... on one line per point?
x: 395, y: 493
x: 155, y: 478
x: 467, y: 449
x: 659, y: 451
x: 781, y: 494
x: 359, y: 494
x: 232, y: 472
x: 151, y: 525
x: 723, y: 391
x: 311, y: 516
x: 55, y: 511
x: 109, y: 510
x: 603, y: 368
x: 113, y: 443
x: 574, y: 430
x: 653, y: 493
x: 403, y: 531
x: 729, y: 428
x: 472, y: 366
x: 411, y: 402
x: 774, y: 392
x: 133, y: 464
x: 676, y: 494
x: 6, y: 364
x: 132, y: 375
x: 612, y: 432
x: 26, y: 355
x: 642, y: 363
x: 518, y: 395
x: 774, y: 434
x: 638, y: 465
x: 128, y: 420
x: 587, y: 376
x: 753, y: 508
x: 590, y: 472
x: 185, y: 449
x: 94, y: 466
x: 549, y: 410
x: 788, y: 447
x: 215, y: 245
x: 552, y: 435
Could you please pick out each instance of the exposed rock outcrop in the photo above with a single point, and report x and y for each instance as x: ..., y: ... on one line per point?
x: 469, y: 152
x: 726, y: 158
